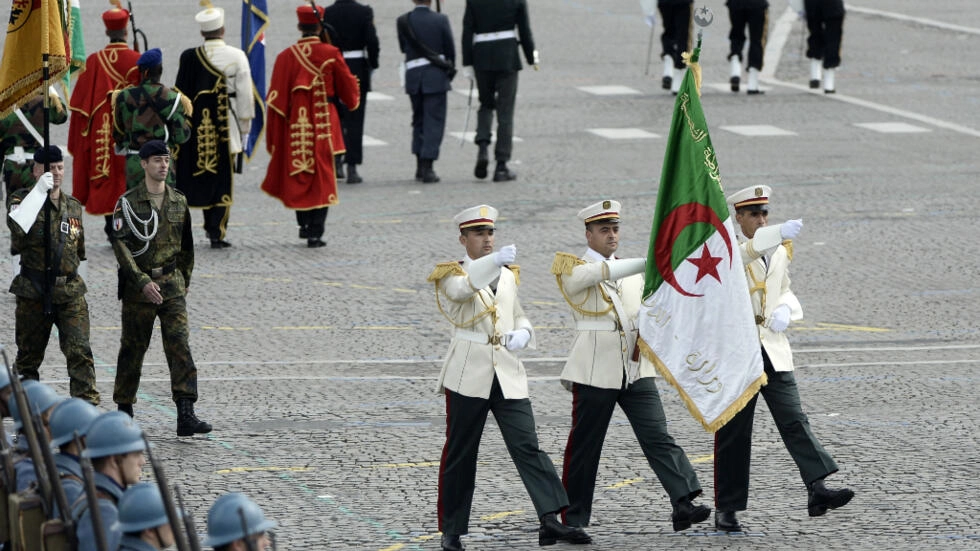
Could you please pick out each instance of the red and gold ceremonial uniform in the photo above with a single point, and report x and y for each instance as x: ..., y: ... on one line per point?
x: 98, y: 174
x: 303, y: 131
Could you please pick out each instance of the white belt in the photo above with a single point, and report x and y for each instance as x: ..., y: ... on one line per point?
x: 416, y: 63
x: 354, y: 54
x: 19, y: 156
x: 596, y: 325
x: 473, y: 336
x: 489, y: 37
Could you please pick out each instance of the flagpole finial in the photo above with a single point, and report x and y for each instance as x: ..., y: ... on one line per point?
x: 116, y: 3
x: 703, y: 17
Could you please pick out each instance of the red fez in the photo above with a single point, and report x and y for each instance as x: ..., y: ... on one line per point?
x: 307, y: 16
x: 115, y: 19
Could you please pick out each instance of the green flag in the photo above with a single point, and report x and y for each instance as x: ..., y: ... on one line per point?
x: 696, y: 320
x: 77, y: 42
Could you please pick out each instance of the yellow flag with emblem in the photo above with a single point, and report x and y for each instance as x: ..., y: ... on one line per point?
x: 21, y: 69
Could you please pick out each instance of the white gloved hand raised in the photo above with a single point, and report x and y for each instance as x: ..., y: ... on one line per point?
x: 468, y: 72
x: 506, y: 255
x: 517, y: 339
x: 46, y: 182
x: 790, y: 228
x: 780, y: 318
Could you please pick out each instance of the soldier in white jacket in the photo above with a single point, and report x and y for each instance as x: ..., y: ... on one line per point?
x: 767, y: 252
x: 604, y: 369
x: 481, y: 374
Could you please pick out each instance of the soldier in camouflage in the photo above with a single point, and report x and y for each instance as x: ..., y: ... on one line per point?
x: 155, y: 250
x: 66, y: 289
x: 20, y: 137
x: 150, y: 111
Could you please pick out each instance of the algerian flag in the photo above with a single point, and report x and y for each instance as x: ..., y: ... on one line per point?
x: 696, y: 320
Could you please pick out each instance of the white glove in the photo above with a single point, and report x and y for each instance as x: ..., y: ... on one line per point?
x: 46, y: 182
x: 780, y: 318
x: 536, y: 58
x: 517, y: 339
x: 506, y: 255
x: 468, y: 72
x: 790, y: 228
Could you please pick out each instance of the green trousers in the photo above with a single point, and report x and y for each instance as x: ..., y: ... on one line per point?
x: 733, y: 442
x: 592, y: 408
x: 465, y: 420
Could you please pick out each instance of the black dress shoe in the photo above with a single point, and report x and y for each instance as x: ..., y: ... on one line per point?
x: 482, y: 160
x: 352, y: 176
x: 666, y: 82
x: 687, y: 513
x: 450, y: 542
x: 503, y: 174
x: 429, y: 175
x: 725, y: 521
x: 126, y: 408
x: 552, y: 531
x: 814, y: 83
x: 830, y: 91
x: 735, y: 82
x: 755, y: 92
x: 219, y: 244
x: 315, y: 243
x: 821, y: 498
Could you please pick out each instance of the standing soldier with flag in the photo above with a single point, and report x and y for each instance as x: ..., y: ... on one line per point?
x: 20, y: 137
x: 98, y: 175
x: 301, y: 132
x: 490, y: 55
x: 217, y: 79
x: 64, y: 239
x: 358, y: 40
x: 148, y: 111
x: 604, y: 368
x: 767, y: 253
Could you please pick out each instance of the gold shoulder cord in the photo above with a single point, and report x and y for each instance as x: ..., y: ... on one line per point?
x: 453, y: 268
x: 563, y: 264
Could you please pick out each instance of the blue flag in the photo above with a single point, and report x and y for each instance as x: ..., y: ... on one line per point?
x: 255, y: 19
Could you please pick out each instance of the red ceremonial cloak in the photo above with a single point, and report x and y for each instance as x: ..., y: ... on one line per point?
x: 98, y: 174
x: 302, y: 128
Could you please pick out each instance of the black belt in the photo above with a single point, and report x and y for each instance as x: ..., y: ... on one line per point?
x: 162, y: 270
x: 37, y: 276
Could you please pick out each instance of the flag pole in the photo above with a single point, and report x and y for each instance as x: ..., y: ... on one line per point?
x: 46, y: 104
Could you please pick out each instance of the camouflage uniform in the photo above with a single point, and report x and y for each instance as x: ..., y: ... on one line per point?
x: 69, y: 308
x: 150, y: 111
x: 168, y: 261
x: 13, y: 133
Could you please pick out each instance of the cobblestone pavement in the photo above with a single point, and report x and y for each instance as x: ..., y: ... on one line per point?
x: 318, y: 366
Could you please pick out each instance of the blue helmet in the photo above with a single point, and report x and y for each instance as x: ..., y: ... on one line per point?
x: 68, y: 417
x: 40, y: 398
x: 225, y: 519
x: 140, y: 507
x: 113, y: 433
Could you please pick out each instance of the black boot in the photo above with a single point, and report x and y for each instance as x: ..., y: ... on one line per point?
x: 725, y: 521
x: 552, y: 531
x: 126, y: 408
x: 338, y: 163
x: 428, y: 174
x: 187, y: 423
x: 315, y: 243
x: 450, y: 542
x: 352, y: 176
x: 502, y: 173
x: 821, y: 498
x: 482, y: 160
x: 687, y: 513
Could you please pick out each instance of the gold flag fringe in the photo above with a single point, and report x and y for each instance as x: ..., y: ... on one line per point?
x: 726, y: 416
x: 695, y: 69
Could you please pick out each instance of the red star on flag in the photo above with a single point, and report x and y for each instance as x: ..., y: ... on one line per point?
x: 707, y: 264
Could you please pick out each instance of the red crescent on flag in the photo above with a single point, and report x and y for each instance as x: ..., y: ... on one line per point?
x: 672, y: 226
